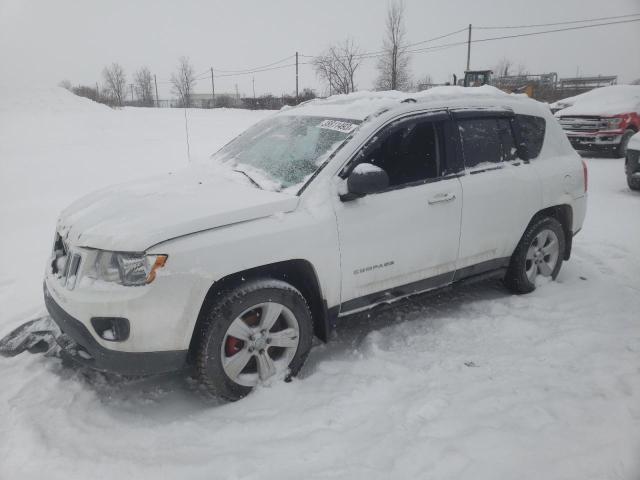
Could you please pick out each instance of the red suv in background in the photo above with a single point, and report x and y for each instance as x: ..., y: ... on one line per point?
x: 603, y: 119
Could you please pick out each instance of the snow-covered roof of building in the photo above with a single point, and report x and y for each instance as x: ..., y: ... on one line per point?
x: 359, y: 105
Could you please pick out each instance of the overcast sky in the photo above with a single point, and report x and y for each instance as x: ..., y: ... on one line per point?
x: 43, y: 42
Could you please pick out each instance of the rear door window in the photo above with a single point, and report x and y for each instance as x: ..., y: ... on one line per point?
x: 486, y: 140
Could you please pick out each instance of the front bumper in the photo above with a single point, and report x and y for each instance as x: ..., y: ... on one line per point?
x: 598, y: 141
x: 79, y: 344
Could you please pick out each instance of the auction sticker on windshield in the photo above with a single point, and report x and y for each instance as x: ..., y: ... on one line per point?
x: 337, y: 125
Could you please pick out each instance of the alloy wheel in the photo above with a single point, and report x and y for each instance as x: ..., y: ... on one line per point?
x: 542, y: 255
x: 260, y: 343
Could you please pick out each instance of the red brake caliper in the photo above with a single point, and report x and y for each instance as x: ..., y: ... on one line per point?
x: 232, y: 346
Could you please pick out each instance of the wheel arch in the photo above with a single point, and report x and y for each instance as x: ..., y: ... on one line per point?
x: 564, y: 214
x: 297, y: 272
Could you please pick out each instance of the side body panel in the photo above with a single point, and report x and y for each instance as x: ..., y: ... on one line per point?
x: 561, y: 173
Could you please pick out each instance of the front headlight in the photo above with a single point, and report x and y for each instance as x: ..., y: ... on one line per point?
x: 612, y: 123
x: 129, y: 269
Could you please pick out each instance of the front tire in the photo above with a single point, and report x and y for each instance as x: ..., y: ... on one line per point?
x: 621, y: 150
x: 260, y: 330
x: 539, y: 253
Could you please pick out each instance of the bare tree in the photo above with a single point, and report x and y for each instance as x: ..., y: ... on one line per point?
x: 503, y: 67
x: 115, y: 83
x: 183, y: 81
x: 522, y: 70
x: 393, y: 65
x: 425, y: 82
x: 143, y: 84
x: 507, y: 67
x: 66, y: 84
x: 337, y: 67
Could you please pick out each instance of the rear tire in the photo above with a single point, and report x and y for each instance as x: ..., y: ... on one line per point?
x: 634, y: 183
x: 259, y: 330
x: 539, y: 253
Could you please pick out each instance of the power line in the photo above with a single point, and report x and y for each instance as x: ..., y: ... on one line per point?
x: 246, y: 70
x: 249, y: 72
x: 528, y: 34
x: 376, y: 53
x: 558, y: 23
x: 436, y: 38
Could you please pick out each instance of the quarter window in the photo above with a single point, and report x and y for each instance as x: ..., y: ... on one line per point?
x: 486, y: 140
x: 530, y: 131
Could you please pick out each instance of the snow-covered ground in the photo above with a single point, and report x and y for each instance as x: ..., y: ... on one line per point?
x: 474, y: 383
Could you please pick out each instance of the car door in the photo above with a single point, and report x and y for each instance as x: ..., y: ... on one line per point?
x: 501, y: 191
x: 404, y: 239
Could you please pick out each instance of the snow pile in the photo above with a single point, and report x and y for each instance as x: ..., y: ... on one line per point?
x: 612, y: 100
x: 355, y: 106
x: 47, y: 101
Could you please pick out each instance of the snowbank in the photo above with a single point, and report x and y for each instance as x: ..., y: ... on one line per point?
x: 44, y: 101
x: 612, y: 100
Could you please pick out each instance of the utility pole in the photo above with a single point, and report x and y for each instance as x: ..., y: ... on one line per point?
x: 131, y: 85
x: 237, y: 96
x: 296, y: 78
x: 253, y: 82
x: 469, y: 49
x: 156, y: 83
x: 213, y: 91
x: 394, y: 68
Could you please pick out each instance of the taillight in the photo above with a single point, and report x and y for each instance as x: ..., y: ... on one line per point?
x: 586, y: 175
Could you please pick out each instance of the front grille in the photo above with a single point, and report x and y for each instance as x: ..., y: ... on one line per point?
x: 583, y: 124
x: 64, y: 263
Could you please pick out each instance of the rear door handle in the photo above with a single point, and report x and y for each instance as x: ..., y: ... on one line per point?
x: 442, y: 198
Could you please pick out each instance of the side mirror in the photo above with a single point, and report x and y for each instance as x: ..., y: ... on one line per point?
x: 365, y: 178
x: 523, y: 152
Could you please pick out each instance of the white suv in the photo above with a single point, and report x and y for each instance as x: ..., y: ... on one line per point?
x: 317, y: 212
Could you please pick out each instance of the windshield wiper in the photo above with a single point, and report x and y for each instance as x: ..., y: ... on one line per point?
x: 249, y: 177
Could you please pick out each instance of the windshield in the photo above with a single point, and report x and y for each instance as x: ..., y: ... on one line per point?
x: 281, y: 152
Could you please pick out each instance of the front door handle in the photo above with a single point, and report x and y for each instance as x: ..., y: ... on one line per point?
x: 442, y: 198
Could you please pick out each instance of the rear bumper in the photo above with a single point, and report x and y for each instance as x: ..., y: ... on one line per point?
x: 79, y: 345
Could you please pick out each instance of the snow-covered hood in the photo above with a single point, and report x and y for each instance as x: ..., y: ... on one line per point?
x: 137, y: 215
x: 604, y: 101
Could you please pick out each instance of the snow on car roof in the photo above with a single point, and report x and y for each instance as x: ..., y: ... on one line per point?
x: 359, y: 105
x: 611, y: 100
